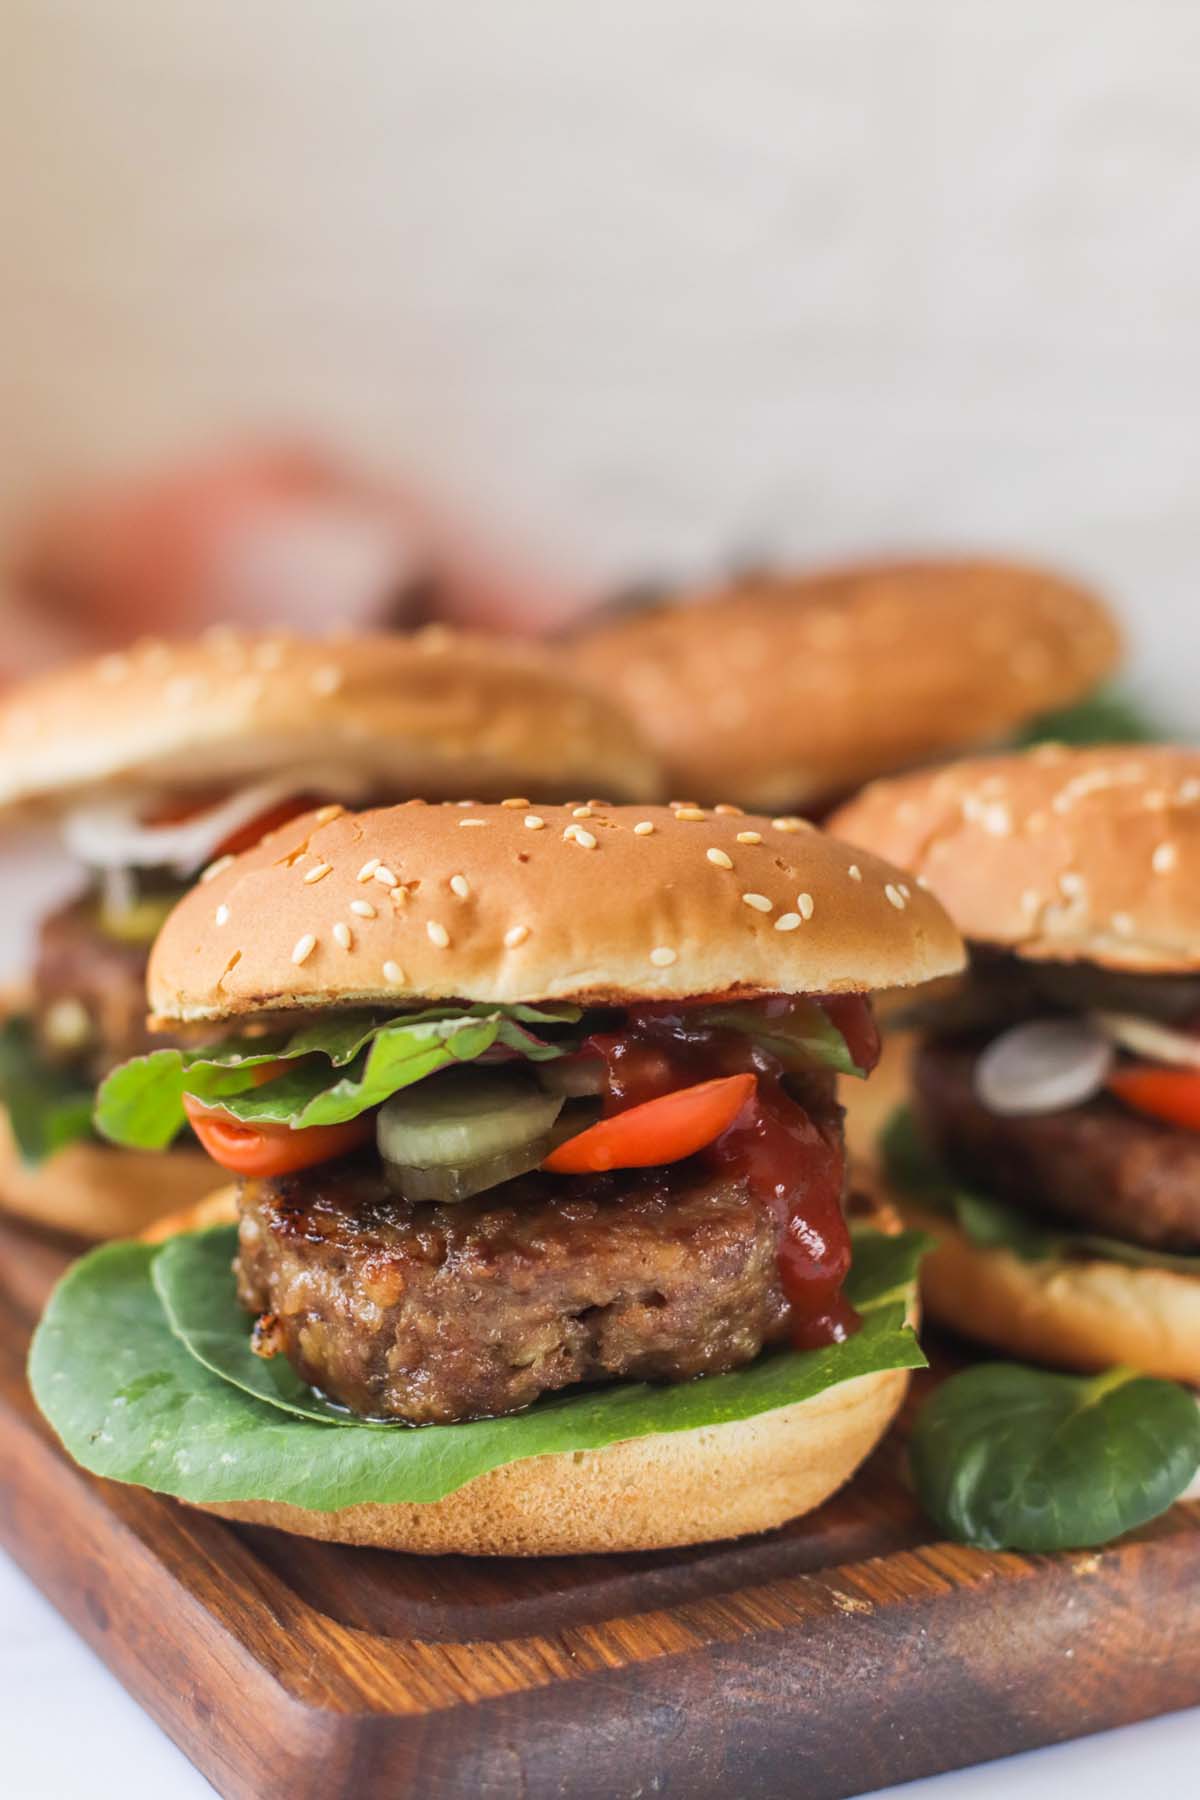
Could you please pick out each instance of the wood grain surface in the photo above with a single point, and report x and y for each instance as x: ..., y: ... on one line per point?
x: 826, y: 1659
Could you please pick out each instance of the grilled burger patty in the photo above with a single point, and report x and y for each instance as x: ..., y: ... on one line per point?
x: 1097, y: 1166
x: 436, y: 1313
x: 89, y: 992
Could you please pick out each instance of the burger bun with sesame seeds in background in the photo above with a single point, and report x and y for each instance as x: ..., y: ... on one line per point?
x: 791, y: 691
x: 576, y: 1203
x: 1054, y: 1135
x: 156, y: 759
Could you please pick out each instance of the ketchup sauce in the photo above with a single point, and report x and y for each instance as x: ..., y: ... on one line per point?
x: 793, y: 1164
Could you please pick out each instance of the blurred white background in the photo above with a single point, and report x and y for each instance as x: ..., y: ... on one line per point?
x: 654, y: 284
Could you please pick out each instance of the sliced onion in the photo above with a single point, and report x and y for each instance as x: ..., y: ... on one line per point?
x: 1043, y: 1066
x: 1145, y: 1037
x: 108, y: 834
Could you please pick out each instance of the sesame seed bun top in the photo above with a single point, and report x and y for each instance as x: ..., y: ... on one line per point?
x: 786, y: 691
x: 1076, y: 855
x: 516, y: 902
x: 434, y: 712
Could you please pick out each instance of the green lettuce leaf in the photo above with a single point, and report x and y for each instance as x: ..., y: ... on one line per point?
x: 141, y: 1103
x: 47, y: 1108
x: 130, y: 1400
x: 992, y: 1224
x: 802, y: 1038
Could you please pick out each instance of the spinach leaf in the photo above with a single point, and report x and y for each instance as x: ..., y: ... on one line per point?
x: 131, y: 1401
x: 992, y: 1224
x: 141, y: 1103
x: 47, y: 1108
x: 1011, y: 1458
x: 1106, y: 717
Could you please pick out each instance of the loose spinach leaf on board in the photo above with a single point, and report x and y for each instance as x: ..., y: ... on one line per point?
x: 47, y: 1108
x: 1010, y: 1458
x: 132, y: 1402
x: 141, y: 1103
x: 992, y: 1224
x: 1106, y: 717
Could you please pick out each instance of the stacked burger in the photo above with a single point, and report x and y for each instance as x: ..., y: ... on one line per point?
x: 159, y: 762
x: 532, y: 1112
x: 1054, y: 1138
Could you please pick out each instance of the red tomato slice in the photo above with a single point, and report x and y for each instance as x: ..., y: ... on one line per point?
x: 1170, y: 1094
x: 659, y: 1131
x: 271, y: 1149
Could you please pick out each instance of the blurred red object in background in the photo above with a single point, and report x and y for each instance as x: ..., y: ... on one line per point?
x: 260, y: 536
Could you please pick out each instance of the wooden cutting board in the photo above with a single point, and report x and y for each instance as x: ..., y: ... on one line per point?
x: 846, y: 1652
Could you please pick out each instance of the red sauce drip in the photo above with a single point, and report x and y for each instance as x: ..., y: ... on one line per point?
x: 791, y: 1162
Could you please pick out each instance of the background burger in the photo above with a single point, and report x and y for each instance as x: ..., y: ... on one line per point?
x: 533, y: 1113
x: 1054, y: 1141
x: 791, y: 691
x: 160, y: 761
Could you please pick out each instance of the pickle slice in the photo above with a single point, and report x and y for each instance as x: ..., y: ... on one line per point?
x: 464, y: 1119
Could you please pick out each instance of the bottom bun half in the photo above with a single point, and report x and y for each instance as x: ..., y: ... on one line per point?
x: 651, y: 1493
x: 96, y: 1191
x: 1073, y: 1314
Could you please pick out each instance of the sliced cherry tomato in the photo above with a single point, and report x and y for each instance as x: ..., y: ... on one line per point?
x: 271, y: 1149
x: 1170, y: 1094
x: 254, y: 830
x: 659, y: 1131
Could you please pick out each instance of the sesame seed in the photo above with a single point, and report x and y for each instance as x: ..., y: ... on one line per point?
x: 215, y: 868
x: 643, y: 828
x: 393, y: 974
x: 805, y: 903
x: 749, y: 837
x: 789, y: 824
x: 472, y: 821
x: 663, y: 956
x: 534, y: 823
x: 368, y: 869
x: 222, y: 914
x: 363, y: 908
x: 895, y: 896
x: 304, y: 948
x: 329, y: 812
x: 460, y: 885
x: 996, y: 819
x: 734, y: 812
x: 720, y: 858
x: 515, y: 803
x: 326, y: 680
x: 582, y: 812
x: 1189, y: 790
x: 583, y: 838
x: 1072, y: 884
x: 787, y: 921
x: 437, y: 934
x: 854, y: 872
x: 341, y: 935
x: 689, y: 812
x: 1031, y: 900
x: 759, y: 902
x: 516, y: 934
x: 1122, y: 924
x: 383, y: 875
x: 1164, y: 859
x: 317, y: 873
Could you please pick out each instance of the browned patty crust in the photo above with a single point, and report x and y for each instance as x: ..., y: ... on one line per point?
x: 103, y: 983
x: 1098, y: 1166
x: 436, y: 1313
